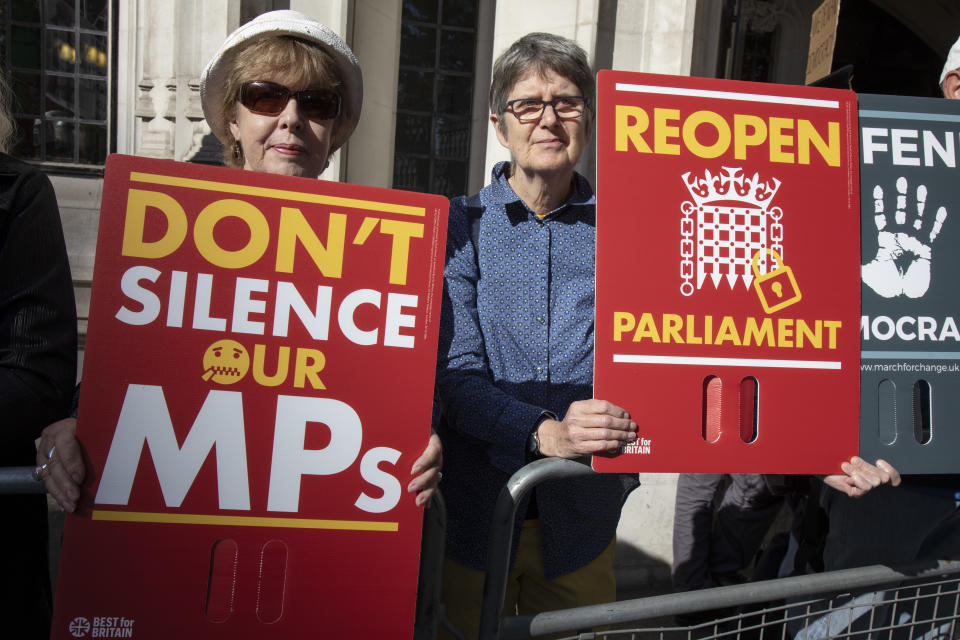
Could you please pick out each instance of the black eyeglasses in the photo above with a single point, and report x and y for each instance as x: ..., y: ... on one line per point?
x: 270, y: 99
x: 531, y: 109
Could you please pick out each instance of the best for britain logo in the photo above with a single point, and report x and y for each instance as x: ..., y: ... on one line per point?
x: 101, y: 627
x: 640, y: 446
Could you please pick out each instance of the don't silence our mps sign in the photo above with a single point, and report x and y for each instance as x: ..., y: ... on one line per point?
x: 258, y: 381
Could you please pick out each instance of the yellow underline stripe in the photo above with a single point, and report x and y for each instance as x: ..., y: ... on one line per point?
x: 243, y: 521
x: 282, y: 194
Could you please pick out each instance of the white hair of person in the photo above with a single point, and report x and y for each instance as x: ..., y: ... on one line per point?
x: 953, y: 61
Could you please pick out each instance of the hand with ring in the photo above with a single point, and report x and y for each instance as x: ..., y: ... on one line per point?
x: 427, y: 471
x: 60, y: 463
x: 40, y: 470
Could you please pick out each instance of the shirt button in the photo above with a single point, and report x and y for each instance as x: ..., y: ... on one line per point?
x: 539, y: 369
x: 541, y: 319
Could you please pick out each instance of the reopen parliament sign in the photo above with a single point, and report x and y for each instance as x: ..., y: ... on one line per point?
x: 258, y: 381
x: 728, y: 276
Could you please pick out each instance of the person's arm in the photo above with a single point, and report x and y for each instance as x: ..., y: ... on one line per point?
x: 470, y: 401
x: 38, y: 322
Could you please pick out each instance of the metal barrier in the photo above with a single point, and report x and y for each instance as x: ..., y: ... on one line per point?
x: 501, y: 532
x: 19, y: 480
x: 430, y: 613
x: 917, y: 600
x: 914, y: 601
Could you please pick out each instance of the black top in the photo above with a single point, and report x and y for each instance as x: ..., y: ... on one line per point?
x: 38, y: 317
x: 38, y: 361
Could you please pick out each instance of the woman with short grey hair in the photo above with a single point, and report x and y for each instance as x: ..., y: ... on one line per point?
x: 542, y: 52
x: 516, y: 348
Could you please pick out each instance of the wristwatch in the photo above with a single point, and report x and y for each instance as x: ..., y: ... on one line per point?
x: 533, y: 444
x: 533, y: 441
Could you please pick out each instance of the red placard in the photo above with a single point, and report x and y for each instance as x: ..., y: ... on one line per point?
x: 257, y: 384
x: 728, y: 273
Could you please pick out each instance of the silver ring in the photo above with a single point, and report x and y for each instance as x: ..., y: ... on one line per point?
x: 439, y: 475
x: 51, y: 452
x: 39, y: 471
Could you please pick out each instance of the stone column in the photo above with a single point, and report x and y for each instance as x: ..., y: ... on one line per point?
x: 155, y: 108
x: 164, y: 45
x: 375, y: 40
x: 656, y: 37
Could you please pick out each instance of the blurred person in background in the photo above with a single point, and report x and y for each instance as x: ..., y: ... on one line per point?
x: 921, y: 518
x: 38, y: 367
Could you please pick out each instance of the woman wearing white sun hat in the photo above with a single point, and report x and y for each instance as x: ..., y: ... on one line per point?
x: 247, y: 86
x: 282, y: 94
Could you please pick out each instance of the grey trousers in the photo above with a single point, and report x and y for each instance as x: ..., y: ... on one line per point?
x: 704, y: 552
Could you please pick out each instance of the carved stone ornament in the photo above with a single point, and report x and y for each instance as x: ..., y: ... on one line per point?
x: 763, y: 16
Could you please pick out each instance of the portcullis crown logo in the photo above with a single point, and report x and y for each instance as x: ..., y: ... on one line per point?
x: 728, y: 222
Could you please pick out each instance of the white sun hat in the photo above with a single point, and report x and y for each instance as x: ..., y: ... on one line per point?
x: 280, y: 23
x: 953, y: 60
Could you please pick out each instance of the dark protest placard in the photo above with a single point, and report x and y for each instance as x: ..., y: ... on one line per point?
x: 910, y: 241
x: 728, y: 286
x: 257, y: 384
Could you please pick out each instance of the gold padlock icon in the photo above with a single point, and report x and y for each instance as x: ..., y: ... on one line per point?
x: 777, y: 288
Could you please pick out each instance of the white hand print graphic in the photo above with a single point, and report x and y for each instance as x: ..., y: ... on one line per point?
x: 902, y: 264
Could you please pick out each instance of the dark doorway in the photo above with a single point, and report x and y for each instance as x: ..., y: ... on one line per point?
x: 886, y: 56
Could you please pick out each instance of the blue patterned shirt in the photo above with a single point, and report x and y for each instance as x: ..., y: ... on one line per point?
x: 516, y: 341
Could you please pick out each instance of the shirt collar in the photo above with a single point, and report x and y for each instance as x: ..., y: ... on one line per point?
x: 518, y: 211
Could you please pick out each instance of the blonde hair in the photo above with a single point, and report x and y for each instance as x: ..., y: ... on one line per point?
x: 298, y: 61
x: 7, y: 125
